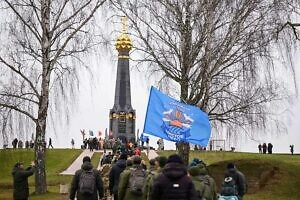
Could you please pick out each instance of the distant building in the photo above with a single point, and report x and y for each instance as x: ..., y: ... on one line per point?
x: 122, y: 115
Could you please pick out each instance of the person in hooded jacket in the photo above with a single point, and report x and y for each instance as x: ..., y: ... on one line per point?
x: 124, y: 192
x: 20, y: 180
x: 75, y: 189
x: 173, y: 183
x: 239, y: 179
x: 200, y: 177
x: 114, y: 175
x: 151, y: 173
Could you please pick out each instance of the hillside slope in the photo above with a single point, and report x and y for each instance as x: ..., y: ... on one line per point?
x: 269, y: 176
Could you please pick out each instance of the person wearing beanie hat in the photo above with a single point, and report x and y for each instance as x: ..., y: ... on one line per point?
x: 128, y: 180
x: 84, y: 177
x: 114, y: 174
x: 205, y: 185
x: 20, y: 180
x: 174, y: 159
x: 160, y: 162
x: 150, y: 177
x: 129, y: 163
x: 239, y: 179
x: 173, y: 183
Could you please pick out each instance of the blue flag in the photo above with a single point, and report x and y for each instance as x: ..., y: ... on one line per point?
x: 144, y: 138
x: 172, y: 120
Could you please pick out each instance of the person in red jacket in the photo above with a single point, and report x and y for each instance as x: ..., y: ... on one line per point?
x: 137, y: 152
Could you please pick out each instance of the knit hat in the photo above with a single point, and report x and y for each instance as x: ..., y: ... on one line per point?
x: 162, y: 160
x: 152, y: 162
x: 129, y: 162
x: 174, y: 159
x: 86, y: 159
x: 123, y: 156
x: 197, y: 167
x: 18, y: 164
x: 230, y: 166
x: 196, y: 162
x: 136, y: 160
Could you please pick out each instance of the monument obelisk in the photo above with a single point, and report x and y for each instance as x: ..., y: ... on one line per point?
x: 122, y: 115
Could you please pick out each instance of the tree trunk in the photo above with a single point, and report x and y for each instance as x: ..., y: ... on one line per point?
x: 184, y: 151
x: 40, y: 148
x: 184, y: 147
x: 40, y: 176
x: 40, y: 144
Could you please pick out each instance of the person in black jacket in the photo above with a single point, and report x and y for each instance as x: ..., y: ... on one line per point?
x: 98, y: 185
x: 114, y: 175
x: 239, y: 179
x: 20, y: 180
x: 173, y: 183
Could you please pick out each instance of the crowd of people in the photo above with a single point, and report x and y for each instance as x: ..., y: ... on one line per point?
x: 165, y: 178
x: 116, y: 145
x: 264, y: 148
x: 130, y: 178
x: 20, y: 144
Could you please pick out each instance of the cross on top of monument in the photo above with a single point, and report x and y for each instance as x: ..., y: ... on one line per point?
x: 123, y: 41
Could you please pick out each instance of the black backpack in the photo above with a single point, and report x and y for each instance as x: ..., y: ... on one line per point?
x: 87, y: 182
x: 229, y: 187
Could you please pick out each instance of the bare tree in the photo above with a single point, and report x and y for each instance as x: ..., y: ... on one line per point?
x: 293, y: 25
x: 39, y: 60
x: 220, y: 54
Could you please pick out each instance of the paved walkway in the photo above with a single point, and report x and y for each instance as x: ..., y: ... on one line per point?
x: 77, y: 163
x: 152, y: 154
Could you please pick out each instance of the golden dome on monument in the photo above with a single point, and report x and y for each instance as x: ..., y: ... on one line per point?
x: 124, y: 42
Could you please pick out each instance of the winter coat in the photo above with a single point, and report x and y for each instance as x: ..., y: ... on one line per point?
x: 151, y: 175
x: 114, y: 175
x: 200, y: 171
x: 20, y: 182
x: 123, y: 189
x: 98, y: 190
x: 173, y: 184
x: 239, y: 179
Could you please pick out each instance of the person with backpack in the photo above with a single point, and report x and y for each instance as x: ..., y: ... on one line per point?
x: 228, y: 190
x: 173, y: 183
x: 114, y: 175
x: 234, y: 181
x: 20, y: 180
x: 87, y: 182
x: 151, y: 173
x: 160, y: 162
x: 205, y: 185
x: 131, y: 183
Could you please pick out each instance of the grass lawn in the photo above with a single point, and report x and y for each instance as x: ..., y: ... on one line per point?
x: 56, y: 161
x: 269, y: 176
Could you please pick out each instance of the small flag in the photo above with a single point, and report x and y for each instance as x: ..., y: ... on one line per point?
x: 91, y: 133
x: 99, y: 133
x: 144, y: 138
x: 110, y: 134
x: 82, y: 132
